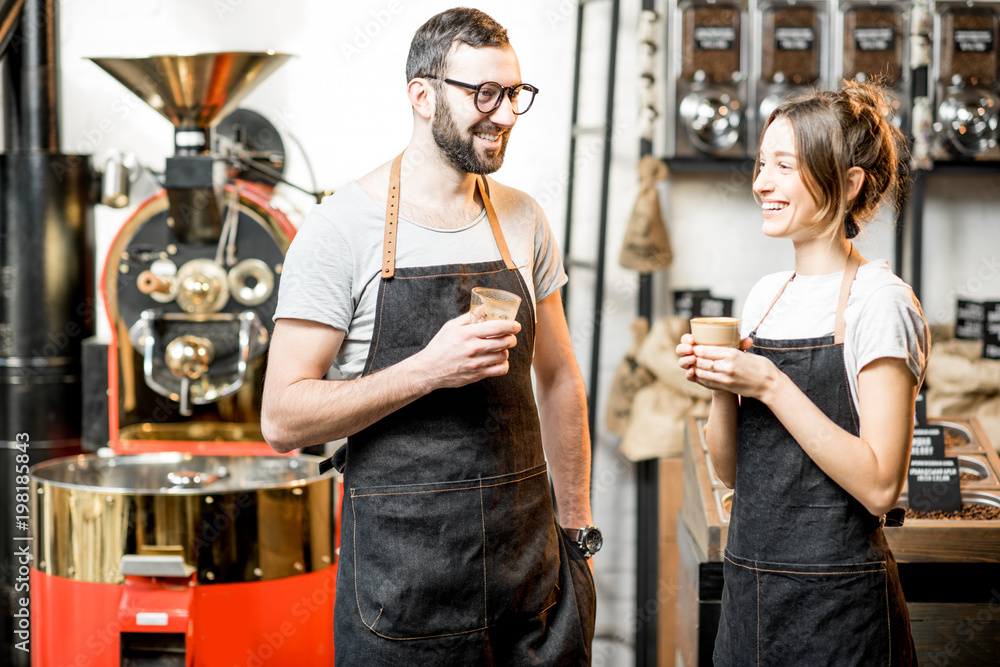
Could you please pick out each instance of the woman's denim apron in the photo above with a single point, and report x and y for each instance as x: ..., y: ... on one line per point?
x: 450, y: 552
x: 809, y: 578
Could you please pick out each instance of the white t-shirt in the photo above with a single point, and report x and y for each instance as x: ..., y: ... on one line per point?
x: 883, y: 317
x: 332, y: 269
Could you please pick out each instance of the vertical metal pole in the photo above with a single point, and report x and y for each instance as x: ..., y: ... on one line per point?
x: 899, y: 242
x: 609, y: 116
x: 574, y: 119
x: 917, y: 232
x: 647, y: 504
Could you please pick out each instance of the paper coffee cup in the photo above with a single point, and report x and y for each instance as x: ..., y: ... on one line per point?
x: 493, y: 304
x: 720, y: 331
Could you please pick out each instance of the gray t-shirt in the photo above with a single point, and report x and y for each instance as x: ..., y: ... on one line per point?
x: 331, y: 271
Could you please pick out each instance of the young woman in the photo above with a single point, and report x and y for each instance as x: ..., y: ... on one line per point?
x: 812, y: 417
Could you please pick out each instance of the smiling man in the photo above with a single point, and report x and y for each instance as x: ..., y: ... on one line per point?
x: 451, y: 553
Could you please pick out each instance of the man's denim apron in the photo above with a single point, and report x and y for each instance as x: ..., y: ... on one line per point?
x: 450, y: 552
x: 809, y: 578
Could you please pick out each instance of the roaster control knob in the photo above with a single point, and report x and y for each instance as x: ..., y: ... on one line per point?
x: 188, y: 357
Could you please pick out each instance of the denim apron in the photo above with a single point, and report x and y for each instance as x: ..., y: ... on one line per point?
x: 450, y: 552
x: 809, y: 578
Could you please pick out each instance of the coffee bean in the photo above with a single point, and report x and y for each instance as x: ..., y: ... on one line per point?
x: 873, y: 40
x: 791, y: 46
x: 711, y: 43
x: 969, y: 512
x: 963, y: 33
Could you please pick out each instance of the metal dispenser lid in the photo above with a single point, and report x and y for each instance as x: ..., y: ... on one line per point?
x: 195, y: 90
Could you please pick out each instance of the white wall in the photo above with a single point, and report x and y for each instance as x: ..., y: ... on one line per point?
x: 342, y: 98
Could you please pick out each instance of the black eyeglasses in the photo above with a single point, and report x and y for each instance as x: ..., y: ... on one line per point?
x: 490, y: 94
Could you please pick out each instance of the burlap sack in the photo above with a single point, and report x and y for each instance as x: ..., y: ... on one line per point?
x: 656, y: 428
x: 657, y: 354
x: 960, y: 383
x: 646, y: 247
x: 629, y: 378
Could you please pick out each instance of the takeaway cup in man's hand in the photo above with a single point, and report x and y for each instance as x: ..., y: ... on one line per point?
x: 493, y: 304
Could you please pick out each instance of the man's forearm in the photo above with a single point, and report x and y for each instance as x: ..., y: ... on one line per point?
x: 311, y: 412
x: 563, y: 412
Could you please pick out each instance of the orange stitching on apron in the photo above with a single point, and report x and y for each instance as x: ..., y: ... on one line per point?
x: 757, y: 576
x: 357, y: 596
x: 378, y: 335
x: 888, y: 618
x: 354, y: 493
x: 806, y: 574
x: 847, y: 381
x: 527, y: 300
x: 482, y: 513
x: 447, y: 634
x: 804, y: 347
x: 444, y: 275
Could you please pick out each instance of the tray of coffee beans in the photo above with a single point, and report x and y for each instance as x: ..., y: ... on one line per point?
x: 969, y: 535
x: 976, y: 506
x: 958, y: 438
x: 975, y: 471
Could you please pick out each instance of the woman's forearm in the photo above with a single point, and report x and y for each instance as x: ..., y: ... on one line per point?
x: 720, y: 435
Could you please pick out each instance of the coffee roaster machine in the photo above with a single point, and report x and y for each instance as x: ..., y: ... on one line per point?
x: 192, y: 543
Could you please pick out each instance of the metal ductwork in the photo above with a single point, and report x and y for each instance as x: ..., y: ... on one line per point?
x: 45, y: 276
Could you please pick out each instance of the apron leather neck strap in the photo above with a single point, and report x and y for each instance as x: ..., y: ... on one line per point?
x: 389, y: 243
x: 853, y: 261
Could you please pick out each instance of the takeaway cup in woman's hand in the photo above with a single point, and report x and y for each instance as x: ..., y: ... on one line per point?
x: 720, y: 331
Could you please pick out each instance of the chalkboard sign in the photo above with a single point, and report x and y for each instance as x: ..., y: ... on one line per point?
x: 684, y: 302
x: 928, y: 443
x: 991, y: 330
x: 920, y: 410
x: 711, y: 306
x: 934, y: 485
x: 970, y: 317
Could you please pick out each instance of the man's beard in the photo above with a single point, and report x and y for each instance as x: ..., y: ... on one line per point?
x: 459, y: 149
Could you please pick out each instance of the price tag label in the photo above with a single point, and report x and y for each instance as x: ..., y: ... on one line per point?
x: 684, y: 301
x: 970, y: 320
x: 991, y: 330
x: 711, y: 306
x: 874, y: 38
x: 714, y: 37
x: 794, y: 38
x: 928, y: 442
x: 920, y: 410
x: 934, y: 485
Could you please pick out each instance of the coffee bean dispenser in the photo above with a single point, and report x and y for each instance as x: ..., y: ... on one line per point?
x: 710, y: 81
x: 791, y: 53
x: 870, y: 43
x: 967, y: 80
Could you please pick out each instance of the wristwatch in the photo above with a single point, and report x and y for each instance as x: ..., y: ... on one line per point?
x: 588, y: 539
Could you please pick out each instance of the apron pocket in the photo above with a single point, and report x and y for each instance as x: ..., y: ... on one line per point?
x: 440, y: 559
x: 818, y: 614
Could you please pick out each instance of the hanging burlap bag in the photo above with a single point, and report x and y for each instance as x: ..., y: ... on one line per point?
x: 657, y: 419
x: 656, y: 427
x: 646, y: 247
x: 629, y: 378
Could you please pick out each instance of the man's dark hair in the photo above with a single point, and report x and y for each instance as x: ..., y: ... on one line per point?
x: 432, y: 41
